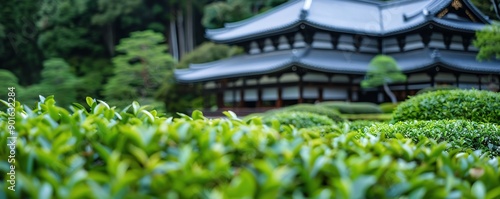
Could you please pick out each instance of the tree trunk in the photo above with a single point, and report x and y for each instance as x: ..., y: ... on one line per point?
x: 389, y: 92
x: 496, y: 7
x: 109, y: 39
x: 173, y: 38
x: 189, y: 26
x: 182, y: 38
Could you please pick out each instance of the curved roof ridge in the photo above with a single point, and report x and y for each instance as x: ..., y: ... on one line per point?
x: 437, y: 5
x: 477, y: 12
x: 228, y: 26
x: 398, y: 3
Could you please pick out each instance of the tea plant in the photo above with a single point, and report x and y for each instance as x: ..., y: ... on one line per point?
x: 99, y: 152
x: 475, y: 105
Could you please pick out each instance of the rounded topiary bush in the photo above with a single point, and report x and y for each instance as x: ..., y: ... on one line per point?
x: 359, y: 125
x: 475, y: 105
x: 437, y: 88
x: 299, y: 119
x: 388, y: 107
x: 333, y: 114
x: 351, y: 108
x: 460, y: 134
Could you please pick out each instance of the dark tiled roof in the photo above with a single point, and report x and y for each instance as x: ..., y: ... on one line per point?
x: 350, y: 16
x: 332, y: 62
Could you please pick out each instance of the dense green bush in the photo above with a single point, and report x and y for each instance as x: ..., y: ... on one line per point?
x: 481, y: 106
x: 460, y: 134
x: 298, y: 119
x: 388, y: 107
x: 99, y: 152
x: 360, y: 125
x: 351, y: 107
x: 370, y: 116
x: 331, y: 113
x: 437, y: 88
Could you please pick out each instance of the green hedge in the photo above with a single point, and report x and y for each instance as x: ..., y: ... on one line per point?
x: 352, y: 107
x: 99, y: 152
x: 460, y: 134
x: 331, y: 113
x: 360, y: 125
x: 298, y: 119
x: 437, y: 88
x: 475, y: 105
x: 388, y: 107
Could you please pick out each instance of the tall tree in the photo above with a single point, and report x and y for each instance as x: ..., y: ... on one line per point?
x: 142, y: 65
x: 57, y: 80
x: 220, y: 12
x: 487, y: 7
x: 488, y: 42
x: 382, y: 71
x: 20, y: 52
x: 189, y: 96
x: 108, y: 12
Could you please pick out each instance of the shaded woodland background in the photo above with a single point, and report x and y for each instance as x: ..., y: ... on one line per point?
x: 117, y: 50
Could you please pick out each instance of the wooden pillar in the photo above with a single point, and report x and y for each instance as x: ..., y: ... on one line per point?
x: 349, y: 89
x: 401, y: 42
x: 233, y: 90
x: 301, y: 89
x: 466, y: 40
x: 259, y: 93
x: 380, y: 45
x: 220, y: 93
x: 291, y: 39
x: 479, y: 78
x: 432, y: 74
x: 276, y: 42
x: 433, y: 79
x: 406, y: 85
x: 242, y: 93
x: 261, y: 44
x: 320, y: 93
x: 357, y: 40
x: 334, y: 39
x: 426, y: 35
x: 279, y: 102
x: 447, y: 40
x: 457, y: 79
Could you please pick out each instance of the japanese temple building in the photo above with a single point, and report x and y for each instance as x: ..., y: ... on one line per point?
x: 319, y: 50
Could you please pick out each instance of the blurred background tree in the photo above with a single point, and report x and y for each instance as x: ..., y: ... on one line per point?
x: 184, y: 98
x: 382, y: 71
x: 488, y: 42
x: 83, y: 34
x: 57, y: 79
x: 140, y: 68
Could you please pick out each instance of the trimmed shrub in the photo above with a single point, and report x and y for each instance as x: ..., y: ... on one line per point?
x: 352, y: 107
x: 383, y: 117
x: 388, y: 107
x: 310, y: 108
x: 96, y: 151
x: 475, y: 105
x: 299, y: 119
x: 360, y: 125
x: 437, y: 88
x: 460, y: 134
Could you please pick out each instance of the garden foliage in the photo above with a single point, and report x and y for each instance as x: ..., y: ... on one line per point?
x: 298, y: 119
x: 475, y: 105
x: 310, y: 108
x: 459, y: 134
x: 96, y: 151
x: 351, y: 108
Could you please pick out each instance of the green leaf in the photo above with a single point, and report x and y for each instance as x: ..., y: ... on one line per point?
x: 90, y: 101
x: 478, y: 190
x: 242, y: 186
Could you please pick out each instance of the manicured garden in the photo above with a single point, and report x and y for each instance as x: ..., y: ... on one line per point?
x: 441, y: 144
